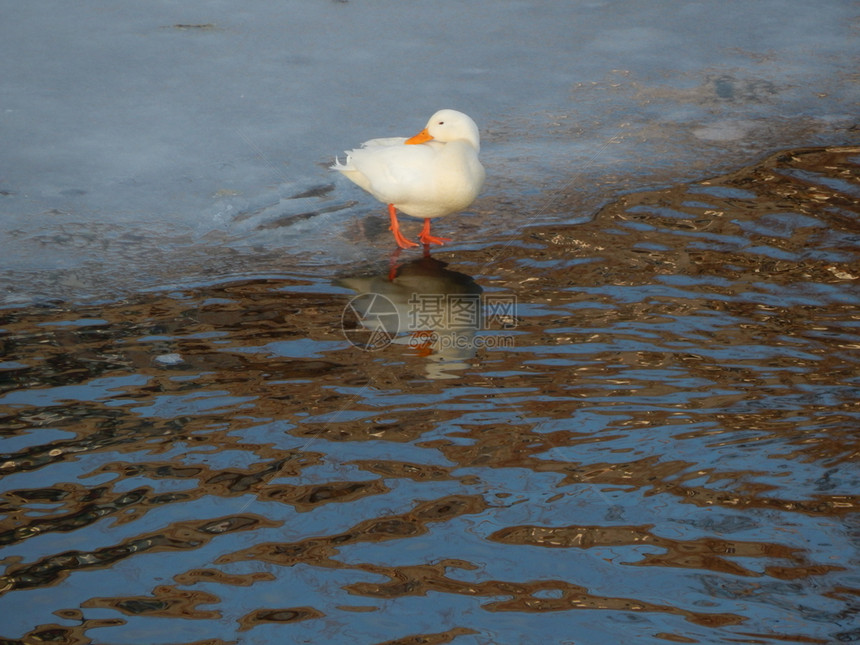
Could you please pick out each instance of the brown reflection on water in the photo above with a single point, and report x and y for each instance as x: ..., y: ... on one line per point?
x: 165, y: 601
x: 177, y: 536
x: 291, y: 615
x: 523, y: 597
x: 670, y: 444
x: 707, y: 554
x: 320, y: 550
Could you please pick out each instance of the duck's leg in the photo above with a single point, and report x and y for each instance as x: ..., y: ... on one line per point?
x: 392, y: 264
x: 426, y: 238
x: 402, y: 242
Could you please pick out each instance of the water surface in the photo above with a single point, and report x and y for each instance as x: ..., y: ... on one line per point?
x: 650, y: 436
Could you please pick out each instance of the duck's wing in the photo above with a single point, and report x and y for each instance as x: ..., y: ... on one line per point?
x: 384, y: 142
x: 392, y: 172
x: 373, y: 145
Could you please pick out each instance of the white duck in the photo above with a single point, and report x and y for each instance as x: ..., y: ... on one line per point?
x: 434, y: 173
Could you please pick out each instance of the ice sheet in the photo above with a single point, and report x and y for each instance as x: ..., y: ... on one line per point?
x: 149, y: 143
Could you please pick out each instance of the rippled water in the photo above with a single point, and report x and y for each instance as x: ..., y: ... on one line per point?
x: 650, y: 436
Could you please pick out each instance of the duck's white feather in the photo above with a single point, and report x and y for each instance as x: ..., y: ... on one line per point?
x: 430, y: 179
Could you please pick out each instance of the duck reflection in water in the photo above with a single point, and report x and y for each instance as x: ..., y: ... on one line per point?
x: 432, y: 310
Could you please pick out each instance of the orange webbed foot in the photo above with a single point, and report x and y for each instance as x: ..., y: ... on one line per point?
x: 431, y: 239
x: 426, y: 238
x: 402, y: 242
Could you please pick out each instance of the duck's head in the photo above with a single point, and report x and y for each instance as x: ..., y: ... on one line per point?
x: 447, y: 126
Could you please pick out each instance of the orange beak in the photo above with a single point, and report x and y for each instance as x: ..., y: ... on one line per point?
x: 421, y: 137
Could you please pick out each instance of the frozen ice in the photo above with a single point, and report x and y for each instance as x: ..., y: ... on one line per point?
x: 155, y: 143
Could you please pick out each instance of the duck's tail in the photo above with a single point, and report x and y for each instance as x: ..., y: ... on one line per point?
x: 347, y: 165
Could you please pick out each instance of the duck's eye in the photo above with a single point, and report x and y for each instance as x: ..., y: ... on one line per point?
x: 441, y: 123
